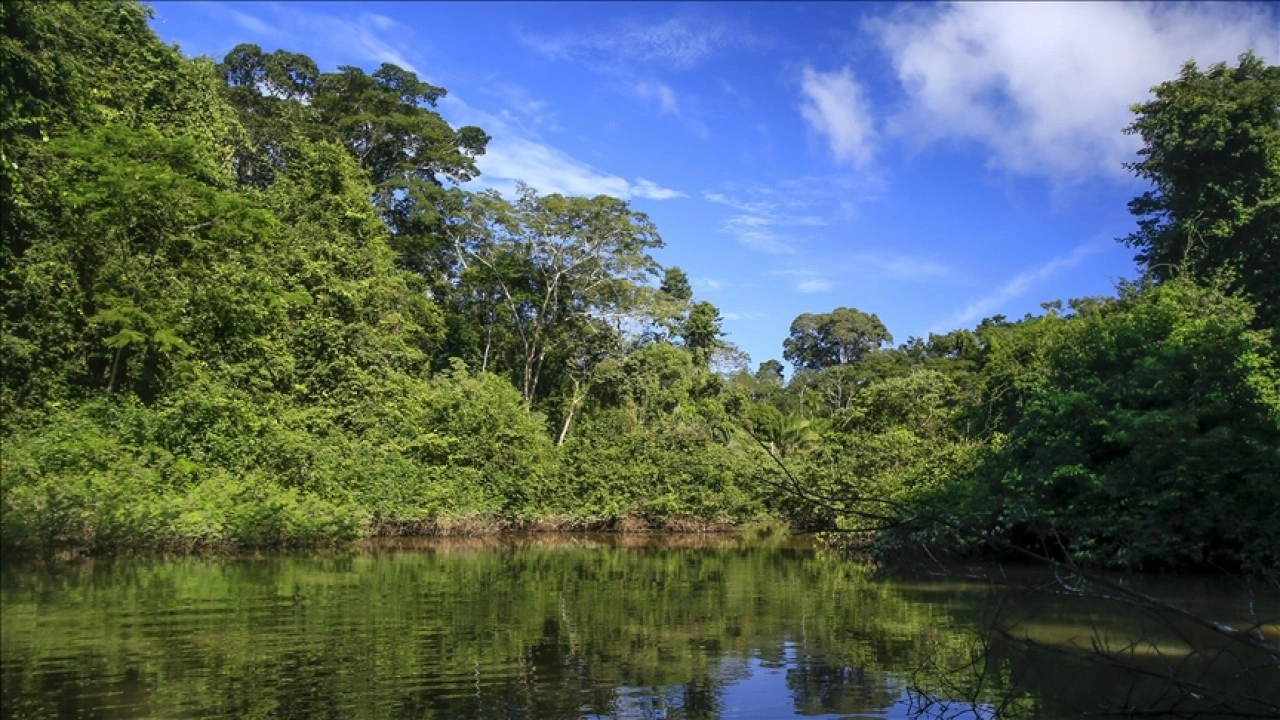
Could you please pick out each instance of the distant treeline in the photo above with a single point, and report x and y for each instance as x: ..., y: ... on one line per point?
x: 246, y: 302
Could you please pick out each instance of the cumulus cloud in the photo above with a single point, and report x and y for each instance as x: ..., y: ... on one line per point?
x: 836, y: 107
x: 1046, y: 87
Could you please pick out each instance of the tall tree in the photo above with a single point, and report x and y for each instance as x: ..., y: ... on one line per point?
x: 840, y: 337
x: 675, y: 284
x: 1211, y: 149
x: 701, y: 332
x: 552, y: 258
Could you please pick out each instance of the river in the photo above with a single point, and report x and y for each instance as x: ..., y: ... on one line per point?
x: 582, y: 627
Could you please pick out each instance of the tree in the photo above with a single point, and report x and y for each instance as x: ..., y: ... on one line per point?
x: 675, y: 285
x: 1211, y: 149
x: 385, y: 119
x: 701, y: 332
x: 549, y: 259
x: 1150, y: 436
x: 840, y: 337
x: 770, y: 371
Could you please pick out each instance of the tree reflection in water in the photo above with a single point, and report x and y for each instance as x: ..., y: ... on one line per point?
x: 537, y: 628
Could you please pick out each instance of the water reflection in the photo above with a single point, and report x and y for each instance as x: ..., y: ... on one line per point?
x: 535, y: 627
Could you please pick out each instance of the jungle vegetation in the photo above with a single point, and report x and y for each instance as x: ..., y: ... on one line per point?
x: 245, y: 301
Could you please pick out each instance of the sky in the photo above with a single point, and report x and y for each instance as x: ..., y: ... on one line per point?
x: 932, y: 164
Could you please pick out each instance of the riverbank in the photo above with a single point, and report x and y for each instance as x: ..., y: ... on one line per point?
x: 485, y: 530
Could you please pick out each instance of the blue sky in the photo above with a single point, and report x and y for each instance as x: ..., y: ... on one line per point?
x: 933, y: 164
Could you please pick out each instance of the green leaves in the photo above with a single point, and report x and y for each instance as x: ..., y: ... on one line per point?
x: 1212, y: 152
x: 1148, y: 439
x: 840, y: 337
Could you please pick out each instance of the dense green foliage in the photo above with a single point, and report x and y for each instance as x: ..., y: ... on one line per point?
x: 1212, y: 153
x: 248, y: 302
x: 243, y: 303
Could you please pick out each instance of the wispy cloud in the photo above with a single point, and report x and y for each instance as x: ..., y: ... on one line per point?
x: 900, y: 267
x: 758, y: 237
x: 806, y: 281
x: 676, y: 43
x: 836, y: 107
x: 368, y: 36
x: 251, y: 23
x: 520, y: 107
x: 359, y: 38
x: 865, y: 266
x: 813, y: 285
x: 664, y: 98
x: 710, y: 283
x: 775, y: 218
x: 662, y: 94
x: 1020, y: 284
x: 1046, y: 87
x: 630, y: 53
x: 652, y: 190
x: 757, y: 224
x: 515, y: 156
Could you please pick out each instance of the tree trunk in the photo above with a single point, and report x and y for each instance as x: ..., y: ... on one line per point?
x: 568, y: 418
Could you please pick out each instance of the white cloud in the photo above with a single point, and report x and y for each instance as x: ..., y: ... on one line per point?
x: 1046, y: 87
x: 710, y: 283
x: 768, y: 224
x: 900, y: 267
x: 662, y: 94
x: 1021, y: 283
x: 806, y: 281
x: 510, y: 158
x: 757, y: 237
x: 362, y: 38
x: 677, y: 44
x: 649, y: 189
x: 514, y: 156
x: 521, y: 107
x: 835, y: 106
x: 252, y: 24
x: 813, y: 285
x: 746, y: 207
